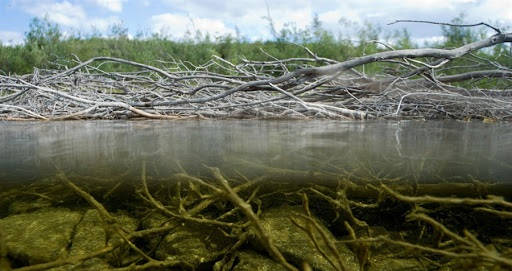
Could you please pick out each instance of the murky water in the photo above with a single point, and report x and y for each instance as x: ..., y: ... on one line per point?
x: 301, y: 179
x: 420, y: 151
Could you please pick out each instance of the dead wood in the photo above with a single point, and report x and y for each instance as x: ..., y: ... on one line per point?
x: 287, y: 88
x: 424, y: 215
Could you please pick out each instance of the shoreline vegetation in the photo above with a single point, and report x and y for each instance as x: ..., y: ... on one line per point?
x: 302, y: 74
x: 220, y: 221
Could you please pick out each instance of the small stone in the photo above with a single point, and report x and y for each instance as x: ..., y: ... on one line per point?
x: 387, y: 263
x: 296, y: 245
x: 252, y: 261
x: 89, y: 235
x: 19, y: 207
x: 40, y: 236
x: 94, y: 264
x: 121, y: 255
x: 189, y: 243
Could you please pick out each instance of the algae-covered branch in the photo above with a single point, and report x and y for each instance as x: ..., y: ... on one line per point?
x: 216, y: 222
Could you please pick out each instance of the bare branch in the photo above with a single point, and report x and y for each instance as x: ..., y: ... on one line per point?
x: 498, y: 31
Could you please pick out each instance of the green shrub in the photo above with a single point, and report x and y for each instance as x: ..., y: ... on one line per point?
x: 46, y: 47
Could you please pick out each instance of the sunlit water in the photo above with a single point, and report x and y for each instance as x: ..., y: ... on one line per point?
x: 411, y: 150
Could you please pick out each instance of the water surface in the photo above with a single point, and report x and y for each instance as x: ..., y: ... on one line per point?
x: 415, y: 150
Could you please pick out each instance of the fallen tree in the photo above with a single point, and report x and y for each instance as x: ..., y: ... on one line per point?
x: 313, y: 87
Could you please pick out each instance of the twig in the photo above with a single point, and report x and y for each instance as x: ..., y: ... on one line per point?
x: 448, y: 24
x: 247, y: 210
x: 104, y: 214
x: 447, y: 200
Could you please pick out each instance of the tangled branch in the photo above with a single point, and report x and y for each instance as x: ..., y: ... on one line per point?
x: 424, y: 223
x: 313, y: 87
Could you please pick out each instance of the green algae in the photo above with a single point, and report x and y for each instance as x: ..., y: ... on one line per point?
x: 46, y: 222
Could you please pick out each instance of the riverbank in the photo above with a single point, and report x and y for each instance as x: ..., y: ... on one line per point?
x: 295, y: 88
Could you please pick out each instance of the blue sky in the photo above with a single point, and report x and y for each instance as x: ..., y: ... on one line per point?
x: 174, y: 17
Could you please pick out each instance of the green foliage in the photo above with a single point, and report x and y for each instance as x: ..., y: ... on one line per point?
x: 42, y: 33
x: 458, y: 36
x: 46, y: 47
x: 403, y: 40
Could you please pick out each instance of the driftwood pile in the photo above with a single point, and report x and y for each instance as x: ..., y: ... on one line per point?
x: 313, y: 87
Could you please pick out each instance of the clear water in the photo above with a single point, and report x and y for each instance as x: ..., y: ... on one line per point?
x: 105, y: 160
x: 409, y: 150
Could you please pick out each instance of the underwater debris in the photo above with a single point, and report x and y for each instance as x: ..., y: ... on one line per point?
x: 211, y: 223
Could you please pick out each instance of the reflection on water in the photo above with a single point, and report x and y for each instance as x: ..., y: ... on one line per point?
x: 422, y: 151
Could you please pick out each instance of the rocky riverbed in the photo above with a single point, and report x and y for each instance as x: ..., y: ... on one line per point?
x: 190, y: 224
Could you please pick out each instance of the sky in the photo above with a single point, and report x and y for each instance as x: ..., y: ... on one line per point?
x: 173, y: 18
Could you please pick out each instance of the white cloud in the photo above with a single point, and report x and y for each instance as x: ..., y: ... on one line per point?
x: 300, y: 17
x: 428, y: 40
x: 10, y: 38
x: 177, y: 25
x: 102, y: 24
x: 416, y: 5
x: 69, y: 14
x: 112, y: 5
x: 220, y: 17
x: 249, y: 16
x: 334, y: 16
x: 63, y: 13
x: 493, y: 9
